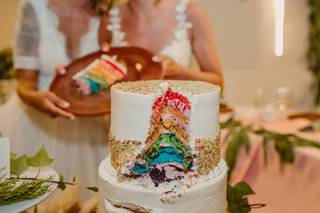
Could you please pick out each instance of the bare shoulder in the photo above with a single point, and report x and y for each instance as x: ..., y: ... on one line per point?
x: 196, y: 13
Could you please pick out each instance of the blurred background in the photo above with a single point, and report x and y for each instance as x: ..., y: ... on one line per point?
x: 245, y: 36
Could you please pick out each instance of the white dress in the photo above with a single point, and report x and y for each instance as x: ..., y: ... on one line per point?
x: 179, y: 49
x: 77, y: 146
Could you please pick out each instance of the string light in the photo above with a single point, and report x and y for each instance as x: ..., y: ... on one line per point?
x: 279, y: 27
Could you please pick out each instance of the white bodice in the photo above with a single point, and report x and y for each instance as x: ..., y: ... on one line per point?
x: 39, y: 26
x: 179, y: 49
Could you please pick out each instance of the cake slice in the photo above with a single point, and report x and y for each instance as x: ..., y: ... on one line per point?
x: 99, y: 75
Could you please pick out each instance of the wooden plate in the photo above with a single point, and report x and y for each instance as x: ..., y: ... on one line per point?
x: 307, y: 115
x: 140, y: 67
x: 225, y: 108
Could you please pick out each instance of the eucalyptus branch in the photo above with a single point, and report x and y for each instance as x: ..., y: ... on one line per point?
x: 17, y: 189
x: 14, y: 190
x: 46, y: 180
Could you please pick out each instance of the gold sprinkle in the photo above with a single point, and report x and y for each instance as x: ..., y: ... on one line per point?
x: 152, y: 87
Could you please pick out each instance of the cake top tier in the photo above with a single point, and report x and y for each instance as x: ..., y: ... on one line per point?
x: 156, y: 86
x: 164, y: 132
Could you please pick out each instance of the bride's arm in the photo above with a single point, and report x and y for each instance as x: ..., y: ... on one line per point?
x: 44, y: 101
x: 204, y: 49
x: 27, y: 64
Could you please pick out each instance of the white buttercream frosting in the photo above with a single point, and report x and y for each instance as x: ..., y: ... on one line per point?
x: 132, y: 102
x: 207, y: 195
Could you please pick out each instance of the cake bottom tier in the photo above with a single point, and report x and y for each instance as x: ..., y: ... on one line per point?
x: 208, y: 195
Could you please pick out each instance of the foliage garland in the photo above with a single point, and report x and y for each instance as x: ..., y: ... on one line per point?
x: 238, y: 137
x: 314, y: 45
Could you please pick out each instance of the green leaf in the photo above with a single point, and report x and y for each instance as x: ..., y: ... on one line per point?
x: 285, y: 151
x: 230, y: 123
x: 13, y: 155
x: 61, y: 184
x: 244, y: 137
x: 94, y: 189
x: 243, y: 188
x: 19, y: 165
x: 264, y: 133
x: 301, y: 142
x: 265, y: 151
x: 313, y: 52
x: 232, y: 151
x: 230, y: 193
x: 237, y: 137
x: 40, y: 159
x: 15, y: 190
x: 236, y: 197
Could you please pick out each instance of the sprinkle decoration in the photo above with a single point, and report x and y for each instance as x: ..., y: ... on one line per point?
x: 208, y: 155
x: 152, y: 86
x: 122, y: 152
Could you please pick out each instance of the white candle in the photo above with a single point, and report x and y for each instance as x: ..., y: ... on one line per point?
x: 4, y: 157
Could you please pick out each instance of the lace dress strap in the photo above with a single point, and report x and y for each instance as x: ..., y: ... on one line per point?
x: 114, y: 27
x: 181, y: 16
x: 180, y: 46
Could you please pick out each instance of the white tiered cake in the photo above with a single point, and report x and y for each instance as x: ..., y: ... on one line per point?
x: 164, y: 149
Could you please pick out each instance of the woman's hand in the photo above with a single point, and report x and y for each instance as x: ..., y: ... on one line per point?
x: 44, y: 101
x: 51, y: 104
x: 170, y: 68
x: 105, y: 47
x: 61, y: 69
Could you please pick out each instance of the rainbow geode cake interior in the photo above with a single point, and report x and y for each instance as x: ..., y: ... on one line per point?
x: 172, y: 136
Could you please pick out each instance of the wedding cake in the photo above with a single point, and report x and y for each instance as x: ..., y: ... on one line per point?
x: 164, y: 149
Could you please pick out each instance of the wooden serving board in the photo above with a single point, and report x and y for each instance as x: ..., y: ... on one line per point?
x: 140, y: 66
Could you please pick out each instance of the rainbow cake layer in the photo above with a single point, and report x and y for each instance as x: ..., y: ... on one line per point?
x: 99, y: 75
x: 164, y: 149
